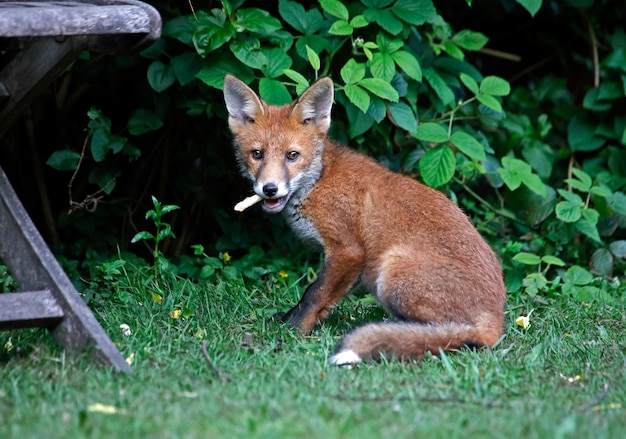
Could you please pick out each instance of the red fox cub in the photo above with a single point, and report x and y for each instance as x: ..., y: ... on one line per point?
x: 406, y: 243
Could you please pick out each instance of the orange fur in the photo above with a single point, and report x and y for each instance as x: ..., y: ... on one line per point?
x: 406, y: 243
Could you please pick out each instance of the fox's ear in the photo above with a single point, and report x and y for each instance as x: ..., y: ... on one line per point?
x: 242, y: 103
x: 315, y: 104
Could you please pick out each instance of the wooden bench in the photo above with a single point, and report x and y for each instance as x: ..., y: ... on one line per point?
x: 41, y: 38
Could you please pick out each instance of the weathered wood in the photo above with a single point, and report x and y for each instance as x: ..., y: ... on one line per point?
x: 33, y: 266
x: 50, y: 35
x: 76, y: 17
x: 35, y: 309
x: 46, y: 59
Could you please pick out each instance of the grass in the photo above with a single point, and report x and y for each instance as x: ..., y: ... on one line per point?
x: 562, y: 377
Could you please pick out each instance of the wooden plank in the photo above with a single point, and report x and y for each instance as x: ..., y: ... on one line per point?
x: 34, y: 309
x: 52, y: 18
x: 31, y: 71
x: 34, y: 268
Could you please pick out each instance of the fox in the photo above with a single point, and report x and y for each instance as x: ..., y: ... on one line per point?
x: 404, y: 242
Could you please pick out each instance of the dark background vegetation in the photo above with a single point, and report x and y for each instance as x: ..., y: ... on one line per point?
x: 188, y: 161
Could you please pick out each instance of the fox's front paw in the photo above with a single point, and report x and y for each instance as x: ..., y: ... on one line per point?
x: 346, y: 358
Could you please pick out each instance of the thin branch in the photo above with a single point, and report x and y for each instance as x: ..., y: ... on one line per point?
x: 487, y: 204
x: 500, y: 54
x: 221, y: 375
x: 594, y: 54
x: 193, y: 11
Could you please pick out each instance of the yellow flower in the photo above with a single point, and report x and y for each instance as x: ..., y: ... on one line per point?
x: 283, y: 274
x: 130, y: 359
x: 157, y: 298
x: 226, y: 257
x: 524, y: 321
x: 176, y: 313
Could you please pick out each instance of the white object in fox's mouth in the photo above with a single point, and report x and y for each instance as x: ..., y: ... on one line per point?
x: 247, y: 202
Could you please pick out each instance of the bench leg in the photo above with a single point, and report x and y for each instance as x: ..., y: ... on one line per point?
x: 35, y: 269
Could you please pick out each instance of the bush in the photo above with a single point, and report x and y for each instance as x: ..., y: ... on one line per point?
x: 540, y: 166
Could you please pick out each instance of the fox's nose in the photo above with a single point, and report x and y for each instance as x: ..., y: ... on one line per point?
x: 270, y: 189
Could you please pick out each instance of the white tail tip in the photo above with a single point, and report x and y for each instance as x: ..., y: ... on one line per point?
x: 346, y: 358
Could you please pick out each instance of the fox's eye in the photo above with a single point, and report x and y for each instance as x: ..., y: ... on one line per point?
x: 307, y: 120
x: 293, y: 155
x: 249, y: 119
x: 256, y: 154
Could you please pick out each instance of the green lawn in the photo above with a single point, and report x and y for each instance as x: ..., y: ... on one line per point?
x: 561, y: 377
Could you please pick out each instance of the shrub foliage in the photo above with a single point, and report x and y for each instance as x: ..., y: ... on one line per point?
x: 490, y: 103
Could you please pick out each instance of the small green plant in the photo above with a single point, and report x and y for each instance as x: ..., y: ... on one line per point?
x: 163, y: 229
x: 7, y: 283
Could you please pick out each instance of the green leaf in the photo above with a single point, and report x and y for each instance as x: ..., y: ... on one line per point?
x: 382, y: 66
x: 359, y: 97
x: 142, y: 235
x: 257, y: 20
x: 340, y: 27
x: 617, y: 203
x: 186, y: 66
x: 470, y: 40
x: 385, y: 19
x: 618, y: 248
x: 601, y: 191
x: 380, y: 88
x: 294, y: 14
x: 352, y: 72
x: 432, y: 132
x: 452, y: 49
x: 439, y: 86
x: 553, y: 260
x: 335, y: 8
x: 578, y: 275
x: 571, y: 197
x: 602, y: 262
x: 142, y: 121
x: 490, y: 102
x: 402, y: 115
x: 160, y: 76
x: 581, y: 135
x: 415, y: 12
x: 313, y: 57
x: 217, y: 67
x: 248, y: 52
x: 277, y: 62
x: 527, y: 258
x: 359, y: 121
x: 468, y: 145
x: 64, y: 160
x: 359, y: 21
x: 408, y: 63
x: 274, y: 92
x: 437, y: 166
x: 469, y: 82
x: 514, y: 172
x: 377, y: 3
x: 588, y: 224
x: 582, y: 182
x: 301, y: 82
x: 568, y: 212
x: 495, y: 86
x: 532, y: 6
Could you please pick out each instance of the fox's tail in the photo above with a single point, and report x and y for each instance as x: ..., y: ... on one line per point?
x: 406, y: 341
